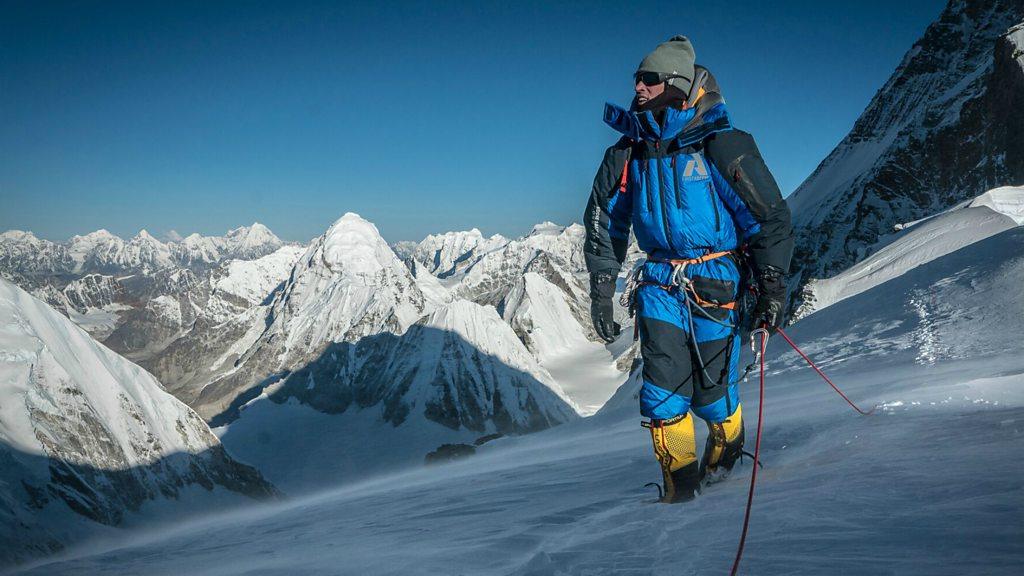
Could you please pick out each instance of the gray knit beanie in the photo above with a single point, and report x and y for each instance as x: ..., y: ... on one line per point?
x: 675, y: 56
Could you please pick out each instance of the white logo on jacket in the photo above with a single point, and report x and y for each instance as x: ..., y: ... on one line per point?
x: 695, y: 169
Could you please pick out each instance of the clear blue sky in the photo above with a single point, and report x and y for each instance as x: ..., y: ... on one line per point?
x: 421, y: 117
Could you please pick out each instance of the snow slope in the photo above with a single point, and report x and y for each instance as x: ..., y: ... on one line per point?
x: 542, y: 315
x: 920, y: 242
x: 931, y: 484
x: 83, y: 431
x: 254, y: 280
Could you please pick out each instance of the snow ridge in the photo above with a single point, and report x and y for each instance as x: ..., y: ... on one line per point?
x: 991, y: 213
x: 86, y: 432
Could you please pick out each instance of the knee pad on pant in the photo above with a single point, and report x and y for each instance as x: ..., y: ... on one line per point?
x: 675, y: 447
x: 725, y: 441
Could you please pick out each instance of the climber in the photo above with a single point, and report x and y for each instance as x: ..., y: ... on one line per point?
x: 703, y: 207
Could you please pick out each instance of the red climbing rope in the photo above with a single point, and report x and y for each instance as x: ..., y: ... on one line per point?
x: 822, y: 374
x: 760, y: 412
x: 757, y: 449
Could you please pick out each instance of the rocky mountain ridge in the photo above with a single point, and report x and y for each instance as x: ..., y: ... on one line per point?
x: 101, y: 252
x: 943, y: 129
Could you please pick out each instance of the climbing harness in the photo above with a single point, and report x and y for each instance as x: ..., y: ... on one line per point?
x: 678, y: 281
x: 692, y: 300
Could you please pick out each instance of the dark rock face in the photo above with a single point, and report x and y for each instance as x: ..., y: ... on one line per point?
x: 448, y: 453
x: 451, y: 380
x: 945, y: 128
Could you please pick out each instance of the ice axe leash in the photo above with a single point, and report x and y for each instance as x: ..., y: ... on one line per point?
x: 758, y: 359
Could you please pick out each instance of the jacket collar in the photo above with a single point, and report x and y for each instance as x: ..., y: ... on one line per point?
x: 687, y: 126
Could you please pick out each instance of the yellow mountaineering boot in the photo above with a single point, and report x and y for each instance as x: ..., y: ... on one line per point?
x: 724, y: 447
x: 675, y: 447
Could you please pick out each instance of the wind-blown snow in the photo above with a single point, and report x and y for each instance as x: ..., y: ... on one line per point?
x: 1008, y: 201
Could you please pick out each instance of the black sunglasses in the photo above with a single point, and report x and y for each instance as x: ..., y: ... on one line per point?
x: 653, y: 78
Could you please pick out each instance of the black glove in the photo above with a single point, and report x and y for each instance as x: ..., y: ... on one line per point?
x: 602, y: 309
x: 771, y: 300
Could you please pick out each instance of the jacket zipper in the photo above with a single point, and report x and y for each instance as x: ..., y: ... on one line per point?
x: 714, y: 206
x: 664, y: 204
x: 675, y: 178
x: 644, y: 179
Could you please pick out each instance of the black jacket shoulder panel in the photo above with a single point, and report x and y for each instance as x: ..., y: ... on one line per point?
x: 734, y: 153
x: 737, y: 158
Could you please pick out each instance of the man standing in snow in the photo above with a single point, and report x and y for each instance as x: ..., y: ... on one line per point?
x: 696, y: 193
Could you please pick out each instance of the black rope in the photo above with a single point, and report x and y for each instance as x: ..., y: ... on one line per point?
x: 752, y: 457
x: 661, y: 492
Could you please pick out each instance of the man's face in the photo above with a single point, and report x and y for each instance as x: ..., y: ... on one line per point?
x: 645, y: 92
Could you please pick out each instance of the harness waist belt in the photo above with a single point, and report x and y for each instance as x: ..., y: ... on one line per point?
x: 681, y: 264
x: 688, y: 261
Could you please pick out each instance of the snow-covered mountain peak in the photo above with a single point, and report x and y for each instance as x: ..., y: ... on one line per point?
x: 145, y: 236
x: 488, y: 278
x: 346, y: 286
x: 252, y: 236
x: 546, y: 228
x: 354, y: 248
x: 564, y: 242
x: 446, y: 254
x: 97, y: 235
x: 256, y: 229
x: 19, y: 236
x: 81, y: 244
